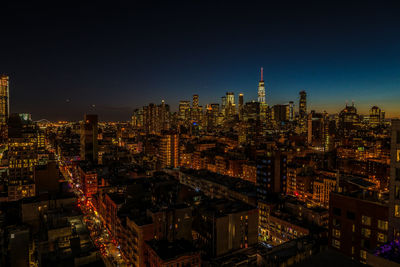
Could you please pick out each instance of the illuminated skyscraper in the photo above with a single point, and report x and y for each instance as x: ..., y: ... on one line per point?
x: 291, y: 111
x: 303, y: 112
x: 230, y: 104
x: 89, y: 145
x: 22, y: 157
x: 184, y: 109
x: 195, y: 101
x: 240, y: 106
x: 4, y: 105
x: 376, y: 116
x: 261, y: 89
x: 169, y: 150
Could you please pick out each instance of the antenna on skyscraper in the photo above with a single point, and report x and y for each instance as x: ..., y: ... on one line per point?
x: 262, y: 74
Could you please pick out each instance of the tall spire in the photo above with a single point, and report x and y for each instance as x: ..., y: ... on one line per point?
x: 262, y: 74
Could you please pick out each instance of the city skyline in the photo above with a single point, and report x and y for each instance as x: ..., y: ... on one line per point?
x: 119, y: 58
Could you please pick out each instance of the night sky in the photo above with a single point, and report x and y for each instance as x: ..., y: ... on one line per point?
x: 120, y: 57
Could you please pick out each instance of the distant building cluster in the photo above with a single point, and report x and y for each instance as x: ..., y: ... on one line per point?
x: 222, y: 184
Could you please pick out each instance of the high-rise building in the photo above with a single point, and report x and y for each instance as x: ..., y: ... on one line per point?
x: 240, y: 104
x: 291, y: 111
x: 169, y: 150
x: 4, y: 105
x: 303, y: 112
x: 376, y: 116
x: 195, y: 101
x: 261, y: 89
x: 348, y: 120
x: 184, y: 109
x: 230, y: 104
x: 315, y: 129
x: 22, y: 157
x: 394, y: 183
x: 155, y: 118
x: 271, y: 174
x: 89, y: 143
x: 280, y: 113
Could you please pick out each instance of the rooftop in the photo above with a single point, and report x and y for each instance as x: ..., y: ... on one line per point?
x: 171, y: 250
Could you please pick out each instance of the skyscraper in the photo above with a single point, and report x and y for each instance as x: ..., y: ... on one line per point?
x: 184, y: 108
x: 89, y: 145
x: 261, y: 89
x: 291, y: 111
x: 195, y: 101
x: 303, y: 112
x: 169, y: 150
x: 4, y: 105
x: 240, y: 104
x: 230, y: 103
x: 394, y: 183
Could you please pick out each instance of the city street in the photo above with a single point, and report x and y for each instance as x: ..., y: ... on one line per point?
x: 99, y: 234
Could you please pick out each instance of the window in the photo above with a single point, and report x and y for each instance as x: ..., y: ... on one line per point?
x: 366, y: 220
x: 397, y: 174
x: 397, y: 192
x: 363, y: 254
x: 336, y: 233
x: 397, y: 137
x: 366, y: 232
x: 382, y: 225
x: 397, y: 210
x: 336, y: 243
x: 398, y: 155
x: 351, y: 215
x: 337, y: 211
x: 336, y: 223
x: 382, y: 238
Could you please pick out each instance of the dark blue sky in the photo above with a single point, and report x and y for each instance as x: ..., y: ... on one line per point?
x: 119, y: 57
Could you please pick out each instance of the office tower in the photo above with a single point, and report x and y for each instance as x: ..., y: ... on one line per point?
x: 89, y: 145
x: 4, y: 106
x: 137, y: 118
x: 22, y: 157
x: 184, y: 109
x: 315, y: 128
x: 150, y: 118
x: 394, y: 183
x: 230, y: 104
x: 240, y: 104
x: 291, y: 111
x: 280, y: 113
x: 376, y: 117
x: 303, y: 112
x: 261, y: 89
x: 196, y: 112
x: 155, y: 118
x: 169, y: 150
x: 223, y: 105
x: 251, y: 111
x: 348, y: 120
x: 195, y: 101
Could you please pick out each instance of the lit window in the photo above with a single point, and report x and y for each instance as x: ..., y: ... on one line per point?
x: 383, y: 225
x: 382, y: 238
x: 397, y: 210
x: 336, y: 233
x: 366, y: 232
x: 366, y: 220
x: 363, y: 254
x: 336, y: 243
